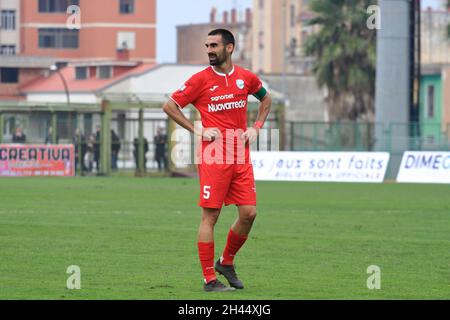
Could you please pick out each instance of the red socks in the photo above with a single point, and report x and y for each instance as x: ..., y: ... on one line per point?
x: 206, y: 255
x: 234, y: 243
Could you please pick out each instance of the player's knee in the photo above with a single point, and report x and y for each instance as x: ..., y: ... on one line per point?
x: 209, y: 220
x: 250, y: 215
x: 210, y: 217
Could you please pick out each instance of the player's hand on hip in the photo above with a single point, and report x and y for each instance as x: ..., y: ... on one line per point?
x: 210, y: 134
x: 250, y: 135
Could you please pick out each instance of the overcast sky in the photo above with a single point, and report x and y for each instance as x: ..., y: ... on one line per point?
x: 171, y: 13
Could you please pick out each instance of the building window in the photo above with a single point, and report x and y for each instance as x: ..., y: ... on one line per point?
x: 56, y: 5
x: 81, y: 73
x: 292, y: 16
x: 293, y: 48
x: 126, y: 40
x: 60, y: 65
x: 261, y: 4
x: 7, y: 50
x: 8, y: 20
x: 126, y: 6
x: 104, y: 72
x: 261, y: 40
x: 9, y: 75
x: 58, y: 38
x: 430, y: 101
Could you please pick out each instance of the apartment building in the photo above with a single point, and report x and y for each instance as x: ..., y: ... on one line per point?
x: 191, y: 38
x: 36, y: 34
x: 279, y: 31
x: 104, y: 27
x: 435, y: 45
x: 9, y: 27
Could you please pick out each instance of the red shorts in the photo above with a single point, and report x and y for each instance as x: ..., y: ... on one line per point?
x: 226, y: 183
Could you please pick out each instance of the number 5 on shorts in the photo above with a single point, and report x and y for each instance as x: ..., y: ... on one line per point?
x: 206, y: 192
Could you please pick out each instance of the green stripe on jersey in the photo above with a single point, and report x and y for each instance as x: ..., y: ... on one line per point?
x: 260, y: 94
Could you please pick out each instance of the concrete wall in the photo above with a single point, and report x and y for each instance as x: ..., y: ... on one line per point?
x: 392, y: 97
x: 62, y: 98
x: 306, y: 100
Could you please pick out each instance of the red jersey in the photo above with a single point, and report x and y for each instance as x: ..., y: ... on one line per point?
x: 222, y: 101
x: 220, y: 98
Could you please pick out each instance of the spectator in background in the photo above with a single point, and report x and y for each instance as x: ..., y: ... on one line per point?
x: 49, y: 137
x: 136, y: 152
x: 79, y: 141
x: 97, y: 149
x: 89, y: 156
x: 19, y: 136
x: 115, y: 148
x: 160, y: 140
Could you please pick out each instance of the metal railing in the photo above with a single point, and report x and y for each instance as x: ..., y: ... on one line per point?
x: 394, y: 138
x: 365, y: 136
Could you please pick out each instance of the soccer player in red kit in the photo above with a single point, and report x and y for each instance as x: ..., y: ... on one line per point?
x: 220, y: 93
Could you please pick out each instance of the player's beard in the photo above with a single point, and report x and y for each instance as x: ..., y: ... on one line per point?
x: 217, y: 60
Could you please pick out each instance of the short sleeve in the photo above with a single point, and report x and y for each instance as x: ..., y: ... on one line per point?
x: 188, y: 93
x: 255, y: 83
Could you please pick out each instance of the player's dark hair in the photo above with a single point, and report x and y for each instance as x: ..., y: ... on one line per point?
x: 227, y: 36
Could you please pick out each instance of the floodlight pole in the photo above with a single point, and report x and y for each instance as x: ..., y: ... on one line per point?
x: 66, y: 88
x: 1, y: 126
x: 54, y: 124
x: 283, y: 48
x: 105, y: 139
x: 141, y: 150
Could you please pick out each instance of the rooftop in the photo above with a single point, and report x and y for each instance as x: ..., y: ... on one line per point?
x: 53, y: 83
x: 26, y: 62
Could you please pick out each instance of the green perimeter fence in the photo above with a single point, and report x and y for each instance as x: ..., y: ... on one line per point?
x: 394, y: 138
x: 128, y: 126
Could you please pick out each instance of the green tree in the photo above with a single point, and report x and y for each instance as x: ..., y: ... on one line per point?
x: 344, y: 48
x: 448, y: 27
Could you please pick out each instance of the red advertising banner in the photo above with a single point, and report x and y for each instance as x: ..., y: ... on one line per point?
x: 28, y: 160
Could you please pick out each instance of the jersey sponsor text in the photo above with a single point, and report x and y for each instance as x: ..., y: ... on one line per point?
x: 226, y: 106
x: 224, y: 97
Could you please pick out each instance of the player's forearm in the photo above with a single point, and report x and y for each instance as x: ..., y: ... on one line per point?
x: 264, y: 109
x: 172, y: 110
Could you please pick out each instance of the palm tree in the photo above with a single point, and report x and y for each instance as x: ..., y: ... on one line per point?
x: 345, y: 57
x: 448, y: 26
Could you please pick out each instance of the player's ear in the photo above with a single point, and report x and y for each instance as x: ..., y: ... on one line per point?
x: 230, y: 48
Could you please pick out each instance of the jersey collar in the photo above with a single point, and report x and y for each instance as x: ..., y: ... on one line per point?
x: 223, y: 74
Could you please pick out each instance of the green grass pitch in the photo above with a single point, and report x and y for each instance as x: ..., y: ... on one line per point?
x: 136, y: 239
